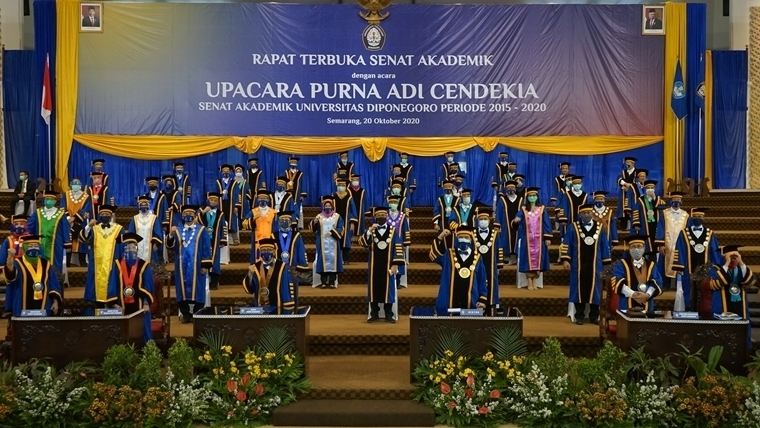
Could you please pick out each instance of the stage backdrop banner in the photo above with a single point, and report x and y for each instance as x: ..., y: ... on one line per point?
x: 241, y: 69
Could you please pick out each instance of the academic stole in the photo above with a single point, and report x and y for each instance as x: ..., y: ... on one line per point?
x: 266, y: 276
x: 128, y: 275
x: 36, y: 277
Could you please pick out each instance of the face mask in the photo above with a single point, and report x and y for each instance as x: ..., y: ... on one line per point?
x: 463, y: 246
x: 381, y: 220
x: 576, y: 187
x: 483, y: 224
x: 449, y: 159
x: 284, y: 225
x: 267, y: 257
x: 169, y: 187
x: 328, y: 210
x: 586, y: 218
x: 344, y: 161
x: 239, y: 174
x: 294, y: 167
x: 130, y: 256
x: 503, y: 163
x: 253, y: 166
x: 280, y: 188
x: 355, y: 183
x: 179, y: 172
x: 458, y: 183
x: 263, y: 204
x: 404, y: 161
x: 49, y: 203
x: 105, y: 220
x: 76, y: 187
x: 629, y: 166
x: 396, y: 191
x: 144, y: 209
x: 697, y: 221
x: 213, y: 205
x: 393, y: 207
x: 22, y: 177
x: 676, y: 205
x: 510, y: 192
x: 18, y: 230
x: 152, y: 188
x: 395, y: 173
x: 650, y: 192
x: 466, y: 200
x: 519, y: 184
x: 447, y: 192
x: 636, y: 253
x: 188, y: 218
x: 341, y: 188
x: 32, y: 253
x: 226, y: 175
x: 599, y: 204
x: 532, y: 199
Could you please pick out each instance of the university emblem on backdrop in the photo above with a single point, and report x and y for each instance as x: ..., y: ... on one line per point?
x: 678, y: 90
x: 701, y: 90
x: 373, y: 36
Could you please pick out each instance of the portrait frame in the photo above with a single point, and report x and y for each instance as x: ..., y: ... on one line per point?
x: 84, y: 24
x: 647, y: 27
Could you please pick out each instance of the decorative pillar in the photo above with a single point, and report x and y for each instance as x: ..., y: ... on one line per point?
x: 3, y: 174
x: 753, y: 133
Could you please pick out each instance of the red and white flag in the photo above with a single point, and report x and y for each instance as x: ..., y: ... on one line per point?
x: 47, y: 98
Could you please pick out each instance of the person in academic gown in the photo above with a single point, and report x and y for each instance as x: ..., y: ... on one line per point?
x: 385, y: 256
x: 268, y: 280
x: 98, y: 194
x: 147, y: 225
x: 669, y: 228
x: 328, y: 226
x: 75, y: 203
x: 358, y: 197
x: 507, y: 207
x: 169, y: 203
x: 635, y: 279
x: 448, y: 169
x: 486, y: 243
x: 102, y: 237
x: 697, y: 245
x: 400, y: 223
x: 502, y: 168
x: 295, y: 186
x: 625, y: 182
x: 260, y: 221
x: 570, y: 203
x: 12, y: 242
x: 215, y: 225
x: 647, y: 216
x: 534, y: 232
x: 463, y: 276
x: 406, y: 173
x: 585, y: 252
x: 130, y: 284
x: 463, y: 213
x: 181, y: 183
x: 255, y: 179
x: 228, y: 198
x: 290, y: 246
x: 442, y: 209
x: 192, y: 260
x: 153, y: 195
x: 50, y: 224
x: 30, y: 278
x: 97, y: 166
x: 344, y: 206
x: 283, y: 200
x: 606, y: 216
x: 344, y: 169
x: 729, y: 282
x: 240, y: 192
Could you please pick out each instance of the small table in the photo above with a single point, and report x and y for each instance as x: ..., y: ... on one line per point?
x: 662, y: 336
x: 425, y: 326
x: 67, y: 339
x: 244, y: 331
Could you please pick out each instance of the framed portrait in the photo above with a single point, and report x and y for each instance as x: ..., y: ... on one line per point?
x: 653, y: 20
x: 92, y: 17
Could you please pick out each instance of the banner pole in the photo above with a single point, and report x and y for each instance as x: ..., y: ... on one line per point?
x: 50, y: 156
x: 700, y: 156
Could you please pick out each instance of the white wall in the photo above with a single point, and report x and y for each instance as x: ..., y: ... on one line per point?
x: 740, y: 22
x: 11, y: 23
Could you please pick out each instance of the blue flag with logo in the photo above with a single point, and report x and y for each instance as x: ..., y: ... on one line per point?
x: 699, y: 95
x: 678, y: 96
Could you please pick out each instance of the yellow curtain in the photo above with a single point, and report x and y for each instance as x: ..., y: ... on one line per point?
x: 157, y: 147
x: 66, y: 80
x: 675, y: 49
x: 708, y: 115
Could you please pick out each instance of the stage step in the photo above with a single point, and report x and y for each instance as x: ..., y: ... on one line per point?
x: 354, y: 413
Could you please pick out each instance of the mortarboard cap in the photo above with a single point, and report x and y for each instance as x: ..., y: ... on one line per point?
x: 726, y: 249
x: 130, y: 238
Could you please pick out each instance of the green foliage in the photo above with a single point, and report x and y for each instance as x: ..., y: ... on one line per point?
x: 148, y: 371
x: 551, y: 360
x: 753, y: 367
x: 696, y: 363
x: 119, y: 363
x: 452, y: 340
x: 213, y: 339
x: 181, y: 359
x: 277, y: 340
x: 507, y: 342
x: 640, y: 365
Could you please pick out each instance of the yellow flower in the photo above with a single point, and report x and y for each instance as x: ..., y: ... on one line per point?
x: 270, y: 355
x: 227, y: 349
x: 232, y: 364
x: 488, y: 356
x: 490, y: 372
x: 233, y: 369
x: 200, y: 358
x: 438, y: 380
x: 448, y: 353
x: 207, y: 356
x: 431, y: 377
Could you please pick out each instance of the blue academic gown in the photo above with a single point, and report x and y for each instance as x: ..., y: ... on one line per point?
x: 440, y: 215
x: 20, y: 284
x: 167, y: 201
x: 230, y: 197
x: 447, y: 258
x: 280, y: 285
x: 623, y: 275
x: 144, y: 291
x: 721, y: 281
x: 586, y: 261
x: 508, y: 234
x: 217, y: 236
x: 183, y: 187
x: 4, y: 256
x: 327, y: 249
x: 156, y: 238
x: 61, y: 237
x: 690, y: 259
x: 640, y: 220
x: 522, y: 237
x: 291, y: 242
x: 401, y: 226
x: 492, y: 259
x: 380, y: 286
x: 118, y: 250
x: 189, y: 282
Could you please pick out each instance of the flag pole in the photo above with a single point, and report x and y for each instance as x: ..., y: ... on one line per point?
x: 700, y: 157
x: 50, y: 156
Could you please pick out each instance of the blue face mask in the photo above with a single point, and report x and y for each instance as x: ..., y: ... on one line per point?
x: 226, y: 175
x: 280, y: 188
x: 532, y: 199
x: 263, y: 204
x: 179, y: 172
x: 697, y: 221
x: 284, y: 225
x: 19, y: 230
x: 675, y: 205
x: 267, y: 257
x: 76, y: 187
x: 599, y: 204
x: 576, y: 187
x: 169, y: 187
x: 130, y: 256
x: 188, y: 218
x: 328, y: 210
x: 105, y: 219
x: 144, y: 209
x: 32, y: 253
x: 463, y: 246
x: 447, y: 192
x: 510, y: 192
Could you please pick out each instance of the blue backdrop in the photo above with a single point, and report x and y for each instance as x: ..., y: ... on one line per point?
x: 45, y: 27
x: 21, y: 110
x: 601, y: 171
x: 696, y: 43
x: 730, y: 71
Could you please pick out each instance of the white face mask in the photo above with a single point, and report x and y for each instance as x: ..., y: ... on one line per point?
x: 483, y: 224
x: 466, y: 200
x: 341, y: 188
x: 450, y: 159
x: 393, y: 207
x: 239, y: 174
x: 396, y: 191
x: 503, y: 163
x: 650, y: 192
x: 404, y: 161
x: 355, y: 183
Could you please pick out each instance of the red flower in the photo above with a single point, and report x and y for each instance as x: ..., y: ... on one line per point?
x: 231, y: 385
x: 495, y: 394
x: 470, y: 381
x: 255, y: 412
x: 445, y: 388
x: 241, y: 396
x: 483, y: 410
x: 259, y: 390
x: 245, y: 379
x: 468, y: 393
x: 452, y: 405
x: 230, y: 413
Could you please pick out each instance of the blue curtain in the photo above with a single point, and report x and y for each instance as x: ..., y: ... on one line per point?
x: 730, y: 119
x: 600, y: 171
x: 44, y: 44
x: 21, y: 110
x: 696, y: 43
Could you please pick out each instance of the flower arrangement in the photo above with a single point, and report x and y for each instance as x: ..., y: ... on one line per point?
x: 547, y: 389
